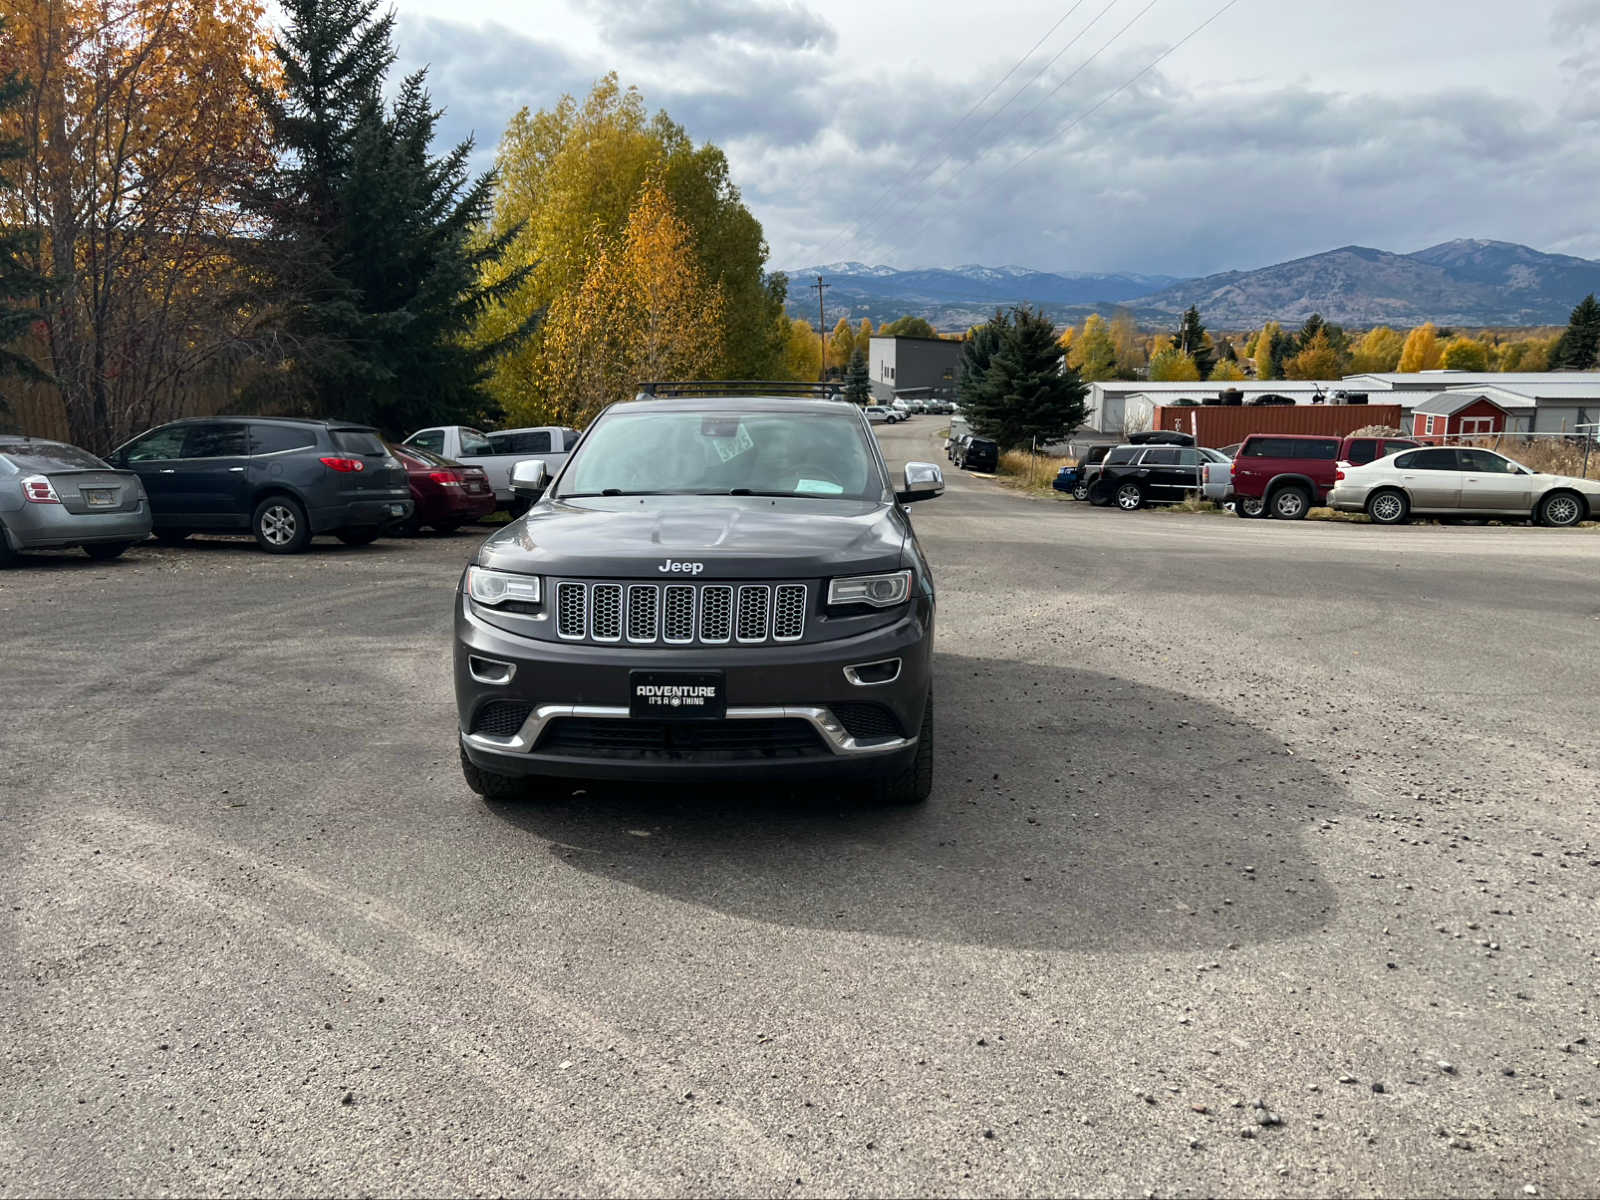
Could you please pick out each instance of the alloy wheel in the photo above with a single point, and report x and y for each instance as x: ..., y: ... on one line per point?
x: 1387, y: 507
x: 1561, y: 510
x: 1129, y: 497
x: 278, y: 525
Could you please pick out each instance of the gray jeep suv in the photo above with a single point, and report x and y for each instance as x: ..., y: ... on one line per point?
x: 712, y: 588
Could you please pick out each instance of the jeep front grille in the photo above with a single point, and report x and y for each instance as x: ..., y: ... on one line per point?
x: 681, y: 614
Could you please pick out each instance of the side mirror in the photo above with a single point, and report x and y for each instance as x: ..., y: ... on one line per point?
x: 529, y: 478
x: 923, y: 481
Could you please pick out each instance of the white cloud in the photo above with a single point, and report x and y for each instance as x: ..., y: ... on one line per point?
x: 1276, y: 133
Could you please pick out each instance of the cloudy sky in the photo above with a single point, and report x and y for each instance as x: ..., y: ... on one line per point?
x: 862, y: 131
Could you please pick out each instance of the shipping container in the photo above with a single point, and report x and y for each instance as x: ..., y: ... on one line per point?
x: 1225, y: 425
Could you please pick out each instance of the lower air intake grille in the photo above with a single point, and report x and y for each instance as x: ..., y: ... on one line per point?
x: 501, y: 718
x: 866, y: 721
x: 707, y: 741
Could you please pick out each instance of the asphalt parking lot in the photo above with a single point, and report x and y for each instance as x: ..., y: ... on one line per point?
x: 1226, y: 812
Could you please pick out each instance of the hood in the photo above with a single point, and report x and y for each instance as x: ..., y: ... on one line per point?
x: 718, y: 537
x: 1589, y: 487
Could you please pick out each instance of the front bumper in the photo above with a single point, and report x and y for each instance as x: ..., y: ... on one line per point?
x: 789, y: 683
x: 51, y: 526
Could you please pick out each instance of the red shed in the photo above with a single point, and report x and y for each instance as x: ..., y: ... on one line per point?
x: 1457, y: 413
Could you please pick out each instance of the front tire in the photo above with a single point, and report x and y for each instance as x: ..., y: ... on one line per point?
x: 105, y: 551
x: 1290, y: 504
x: 358, y: 535
x: 914, y: 784
x: 1130, y: 497
x: 1389, y: 507
x: 281, y: 526
x: 490, y: 785
x: 1100, y: 494
x: 1560, y: 510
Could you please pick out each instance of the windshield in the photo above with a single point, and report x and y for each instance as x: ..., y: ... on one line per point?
x: 642, y: 453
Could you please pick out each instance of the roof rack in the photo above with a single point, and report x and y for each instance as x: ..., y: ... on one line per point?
x: 662, y: 389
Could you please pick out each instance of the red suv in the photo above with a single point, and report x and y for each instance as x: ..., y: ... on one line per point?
x: 1286, y: 475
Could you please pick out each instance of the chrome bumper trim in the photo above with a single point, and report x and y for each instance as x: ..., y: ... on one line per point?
x: 834, y: 734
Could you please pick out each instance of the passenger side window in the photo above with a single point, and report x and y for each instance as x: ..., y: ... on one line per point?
x: 429, y: 439
x: 473, y: 442
x: 158, y: 445
x: 1160, y: 456
x: 1188, y: 457
x: 1429, y: 460
x: 217, y: 440
x: 271, y: 439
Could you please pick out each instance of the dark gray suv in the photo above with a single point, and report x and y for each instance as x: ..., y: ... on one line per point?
x: 712, y: 588
x: 282, y: 479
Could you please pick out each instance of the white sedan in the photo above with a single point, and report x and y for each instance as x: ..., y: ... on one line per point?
x: 1461, y: 482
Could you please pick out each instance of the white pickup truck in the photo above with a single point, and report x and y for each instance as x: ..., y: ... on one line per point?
x: 498, y: 452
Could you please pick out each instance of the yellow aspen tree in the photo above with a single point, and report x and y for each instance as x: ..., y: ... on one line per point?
x: 644, y: 311
x: 1422, y: 351
x: 841, y: 344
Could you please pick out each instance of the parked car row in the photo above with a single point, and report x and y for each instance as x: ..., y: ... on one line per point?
x: 1285, y: 476
x: 282, y: 480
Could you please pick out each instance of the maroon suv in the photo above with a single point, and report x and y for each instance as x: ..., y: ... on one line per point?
x: 1286, y: 475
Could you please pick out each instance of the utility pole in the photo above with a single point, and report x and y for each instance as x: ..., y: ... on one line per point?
x: 822, y: 323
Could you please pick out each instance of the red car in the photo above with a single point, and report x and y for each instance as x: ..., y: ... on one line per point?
x: 447, y: 494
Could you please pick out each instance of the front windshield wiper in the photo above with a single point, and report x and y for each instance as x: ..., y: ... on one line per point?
x: 615, y: 492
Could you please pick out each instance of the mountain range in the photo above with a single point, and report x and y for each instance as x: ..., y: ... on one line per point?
x: 1463, y: 282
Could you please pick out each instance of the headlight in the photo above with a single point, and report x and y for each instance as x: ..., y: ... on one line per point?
x: 880, y: 591
x: 498, y: 587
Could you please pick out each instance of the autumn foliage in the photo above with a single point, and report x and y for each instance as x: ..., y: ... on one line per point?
x: 643, y: 310
x: 139, y: 117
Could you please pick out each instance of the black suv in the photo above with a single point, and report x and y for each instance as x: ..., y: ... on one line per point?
x: 1136, y: 475
x: 711, y: 588
x: 283, y: 479
x: 978, y: 454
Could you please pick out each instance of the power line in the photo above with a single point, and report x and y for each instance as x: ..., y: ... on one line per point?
x: 889, y: 189
x: 1128, y: 83
x: 871, y: 223
x: 1102, y: 102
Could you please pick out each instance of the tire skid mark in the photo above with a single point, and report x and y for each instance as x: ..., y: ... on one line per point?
x: 743, y: 1139
x: 614, y: 1171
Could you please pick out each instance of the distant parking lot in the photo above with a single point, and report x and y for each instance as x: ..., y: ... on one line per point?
x: 1225, y: 812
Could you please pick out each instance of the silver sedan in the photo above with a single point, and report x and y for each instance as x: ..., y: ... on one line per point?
x: 53, y: 495
x: 1461, y: 482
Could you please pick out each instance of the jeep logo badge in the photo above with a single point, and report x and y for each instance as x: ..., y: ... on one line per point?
x: 672, y: 566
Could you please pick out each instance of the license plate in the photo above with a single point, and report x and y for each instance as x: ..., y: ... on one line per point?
x: 397, y: 510
x: 100, y: 497
x: 677, y: 695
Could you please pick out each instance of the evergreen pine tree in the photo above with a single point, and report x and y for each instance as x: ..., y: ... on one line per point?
x: 369, y: 238
x: 20, y: 285
x: 857, y: 381
x: 1578, y: 348
x: 1026, y: 392
x: 1191, y: 340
